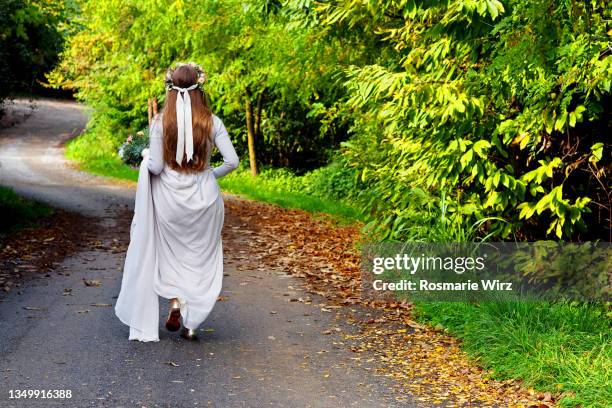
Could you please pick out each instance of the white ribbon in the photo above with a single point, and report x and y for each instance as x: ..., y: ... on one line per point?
x: 184, y: 139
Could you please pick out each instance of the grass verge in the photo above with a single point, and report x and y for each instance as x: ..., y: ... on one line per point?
x: 98, y: 158
x: 558, y: 347
x: 242, y: 183
x: 18, y: 212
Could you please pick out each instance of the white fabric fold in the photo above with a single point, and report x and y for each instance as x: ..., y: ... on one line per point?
x: 184, y: 139
x: 137, y: 304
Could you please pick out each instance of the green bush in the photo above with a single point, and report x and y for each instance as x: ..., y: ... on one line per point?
x: 499, y: 104
x: 336, y: 180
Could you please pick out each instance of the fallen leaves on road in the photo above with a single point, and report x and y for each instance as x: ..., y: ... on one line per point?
x: 92, y: 282
x: 422, y: 360
x: 39, y: 249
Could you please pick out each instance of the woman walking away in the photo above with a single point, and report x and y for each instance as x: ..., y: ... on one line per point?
x: 175, y: 246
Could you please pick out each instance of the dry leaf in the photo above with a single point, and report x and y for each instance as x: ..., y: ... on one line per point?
x: 91, y: 282
x: 326, y: 259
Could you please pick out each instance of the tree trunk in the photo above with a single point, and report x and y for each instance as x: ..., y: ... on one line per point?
x: 258, y: 114
x: 251, y: 135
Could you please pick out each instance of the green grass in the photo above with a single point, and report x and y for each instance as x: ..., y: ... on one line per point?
x: 95, y: 153
x: 242, y: 183
x: 557, y: 347
x: 18, y: 212
x: 110, y: 168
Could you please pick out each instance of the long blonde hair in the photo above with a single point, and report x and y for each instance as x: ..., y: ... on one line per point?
x: 183, y: 77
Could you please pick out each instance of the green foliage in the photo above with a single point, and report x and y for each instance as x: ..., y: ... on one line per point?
x: 31, y: 38
x: 117, y: 60
x: 285, y: 189
x: 559, y: 347
x: 468, y: 114
x: 335, y: 181
x: 502, y: 105
x: 17, y: 212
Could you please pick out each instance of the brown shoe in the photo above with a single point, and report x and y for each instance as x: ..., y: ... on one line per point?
x: 173, y: 323
x: 189, y: 334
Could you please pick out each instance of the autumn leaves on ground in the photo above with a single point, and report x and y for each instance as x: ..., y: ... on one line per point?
x: 426, y: 365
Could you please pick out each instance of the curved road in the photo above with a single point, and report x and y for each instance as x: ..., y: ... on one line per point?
x: 256, y: 349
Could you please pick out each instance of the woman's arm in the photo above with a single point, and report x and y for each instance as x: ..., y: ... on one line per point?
x: 156, y: 148
x: 224, y: 144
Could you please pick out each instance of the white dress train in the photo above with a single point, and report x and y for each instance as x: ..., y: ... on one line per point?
x: 175, y: 248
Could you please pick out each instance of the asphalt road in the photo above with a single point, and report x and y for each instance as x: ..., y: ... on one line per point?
x: 257, y: 349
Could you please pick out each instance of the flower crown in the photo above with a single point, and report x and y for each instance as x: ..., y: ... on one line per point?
x: 201, y: 74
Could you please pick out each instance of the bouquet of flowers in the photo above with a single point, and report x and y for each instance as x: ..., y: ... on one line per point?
x: 131, y: 150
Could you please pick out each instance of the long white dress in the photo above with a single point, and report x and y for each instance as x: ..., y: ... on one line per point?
x: 175, y: 246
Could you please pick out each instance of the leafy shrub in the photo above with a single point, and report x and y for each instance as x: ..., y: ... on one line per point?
x: 457, y: 112
x: 336, y: 180
x: 499, y: 104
